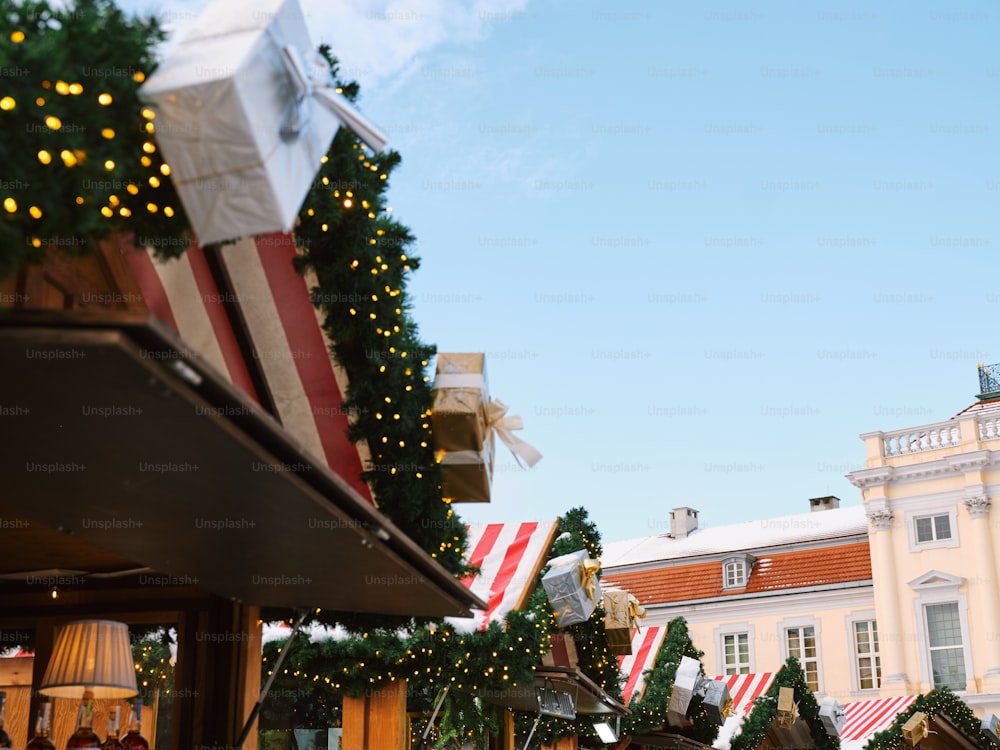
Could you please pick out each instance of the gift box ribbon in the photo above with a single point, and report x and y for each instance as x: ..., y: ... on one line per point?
x: 498, y: 421
x: 318, y: 84
x: 588, y: 577
x: 635, y: 610
x: 727, y: 710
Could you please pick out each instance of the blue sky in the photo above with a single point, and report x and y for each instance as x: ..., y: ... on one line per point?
x: 704, y: 245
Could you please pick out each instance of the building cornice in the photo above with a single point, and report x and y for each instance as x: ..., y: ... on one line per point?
x: 756, y: 552
x: 771, y: 594
x: 954, y: 465
x: 865, y: 478
x: 852, y: 595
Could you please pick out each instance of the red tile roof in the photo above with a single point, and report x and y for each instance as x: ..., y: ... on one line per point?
x: 774, y: 572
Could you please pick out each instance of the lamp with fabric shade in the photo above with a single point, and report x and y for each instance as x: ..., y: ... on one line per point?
x: 92, y: 655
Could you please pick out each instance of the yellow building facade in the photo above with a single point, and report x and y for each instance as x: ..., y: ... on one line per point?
x: 928, y: 493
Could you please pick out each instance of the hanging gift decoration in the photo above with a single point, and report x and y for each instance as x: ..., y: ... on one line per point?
x: 621, y: 613
x: 572, y: 587
x: 245, y: 110
x: 688, y: 683
x: 831, y: 713
x: 466, y: 424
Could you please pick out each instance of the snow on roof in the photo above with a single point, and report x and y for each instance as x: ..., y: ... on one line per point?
x: 736, y: 537
x: 992, y: 405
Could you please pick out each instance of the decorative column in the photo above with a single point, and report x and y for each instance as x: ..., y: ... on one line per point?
x: 890, y: 629
x: 986, y: 587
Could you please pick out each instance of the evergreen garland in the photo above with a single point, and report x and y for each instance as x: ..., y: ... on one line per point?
x: 649, y: 712
x: 756, y: 726
x: 478, y: 665
x: 936, y: 702
x: 360, y: 255
x: 77, y: 159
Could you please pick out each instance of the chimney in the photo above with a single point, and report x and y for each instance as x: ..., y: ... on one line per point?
x: 816, y: 504
x: 682, y: 522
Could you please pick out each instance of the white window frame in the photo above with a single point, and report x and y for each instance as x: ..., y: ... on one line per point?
x: 719, y: 637
x: 852, y: 619
x: 937, y: 587
x: 746, y: 562
x: 911, y: 529
x: 790, y: 623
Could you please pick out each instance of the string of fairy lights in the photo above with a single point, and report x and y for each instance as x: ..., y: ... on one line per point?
x: 112, y: 175
x: 78, y: 158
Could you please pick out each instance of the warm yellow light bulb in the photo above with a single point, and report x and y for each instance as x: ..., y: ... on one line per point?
x: 10, y: 205
x: 165, y: 169
x: 17, y: 36
x: 75, y: 89
x: 40, y: 101
x: 152, y: 208
x: 150, y: 128
x: 113, y: 200
x: 108, y: 133
x: 53, y: 123
x: 132, y: 189
x: 62, y: 87
x: 348, y: 203
x: 104, y: 99
x: 139, y: 76
x: 124, y: 211
x: 109, y: 165
x: 154, y: 181
x: 69, y: 158
x: 148, y: 147
x: 107, y: 212
x: 145, y: 161
x: 36, y: 212
x: 168, y: 211
x: 7, y: 103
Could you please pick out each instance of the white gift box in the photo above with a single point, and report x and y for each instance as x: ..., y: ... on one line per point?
x: 831, y: 713
x: 245, y: 111
x: 565, y: 588
x: 687, y: 680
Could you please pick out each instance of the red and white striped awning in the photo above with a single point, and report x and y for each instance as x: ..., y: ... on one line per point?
x: 288, y: 343
x: 646, y: 642
x: 865, y: 718
x: 509, y: 557
x: 744, y: 689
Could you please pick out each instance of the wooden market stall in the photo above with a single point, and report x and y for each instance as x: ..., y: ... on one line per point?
x: 178, y: 457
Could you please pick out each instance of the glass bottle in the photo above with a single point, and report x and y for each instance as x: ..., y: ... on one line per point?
x: 114, y: 729
x: 85, y: 736
x: 5, y: 741
x: 41, y: 739
x: 134, y: 739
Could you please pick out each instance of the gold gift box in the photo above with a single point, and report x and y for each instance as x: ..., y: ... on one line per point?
x: 618, y: 622
x: 468, y: 474
x: 458, y: 415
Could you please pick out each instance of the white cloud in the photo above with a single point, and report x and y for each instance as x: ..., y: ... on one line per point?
x: 373, y: 40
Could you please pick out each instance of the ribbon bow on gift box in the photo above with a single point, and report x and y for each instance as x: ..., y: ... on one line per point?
x: 319, y: 83
x: 503, y: 425
x: 588, y: 577
x: 635, y: 610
